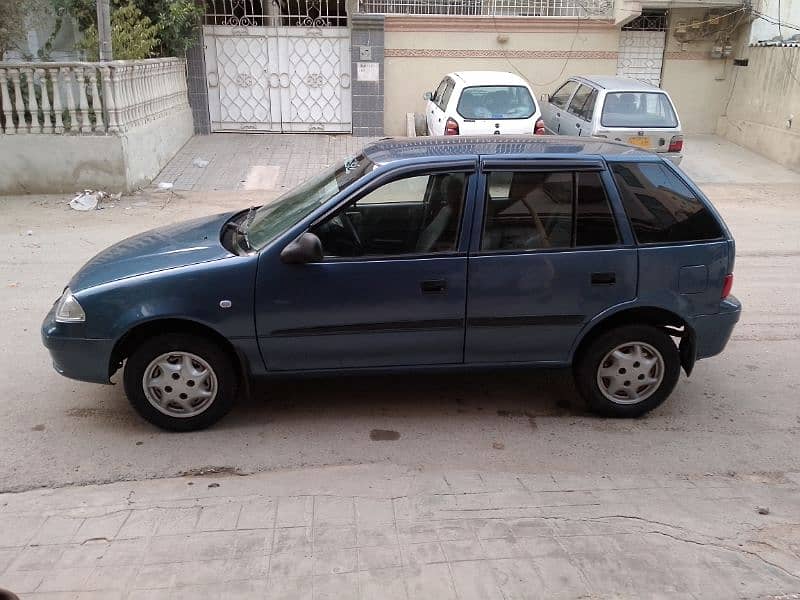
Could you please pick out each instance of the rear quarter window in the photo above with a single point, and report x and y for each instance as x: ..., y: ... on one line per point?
x: 661, y: 207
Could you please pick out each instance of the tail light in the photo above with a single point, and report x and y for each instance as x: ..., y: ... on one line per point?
x: 538, y: 129
x: 727, y: 285
x: 676, y: 143
x: 451, y: 127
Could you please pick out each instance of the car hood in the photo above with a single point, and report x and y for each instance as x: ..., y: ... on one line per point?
x: 178, y: 245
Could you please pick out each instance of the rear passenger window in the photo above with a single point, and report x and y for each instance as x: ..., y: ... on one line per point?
x: 585, y: 95
x: 661, y: 207
x: 536, y: 211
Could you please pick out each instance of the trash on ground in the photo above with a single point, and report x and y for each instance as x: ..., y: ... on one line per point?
x: 29, y: 232
x: 165, y: 185
x: 202, y: 163
x: 86, y: 200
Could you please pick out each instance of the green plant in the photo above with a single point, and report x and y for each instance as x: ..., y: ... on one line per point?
x: 177, y: 21
x: 133, y: 35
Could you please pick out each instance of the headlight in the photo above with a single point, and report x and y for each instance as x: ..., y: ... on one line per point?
x: 68, y: 310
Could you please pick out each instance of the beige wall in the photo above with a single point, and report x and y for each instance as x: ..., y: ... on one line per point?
x: 545, y: 58
x: 764, y: 98
x: 545, y: 54
x: 697, y: 83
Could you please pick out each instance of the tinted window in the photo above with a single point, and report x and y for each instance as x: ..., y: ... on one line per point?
x: 496, y: 102
x: 594, y: 223
x: 561, y: 96
x: 638, y: 109
x: 528, y: 211
x: 413, y: 215
x: 583, y: 102
x: 661, y: 207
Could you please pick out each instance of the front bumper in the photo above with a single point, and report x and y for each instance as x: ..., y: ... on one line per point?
x: 712, y: 332
x: 74, y: 356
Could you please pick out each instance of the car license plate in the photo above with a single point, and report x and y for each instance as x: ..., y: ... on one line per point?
x: 641, y: 141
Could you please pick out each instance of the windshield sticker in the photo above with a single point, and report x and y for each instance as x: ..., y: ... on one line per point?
x: 350, y: 164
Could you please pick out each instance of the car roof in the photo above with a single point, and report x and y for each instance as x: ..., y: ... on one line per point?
x: 487, y: 78
x: 612, y: 84
x: 389, y: 150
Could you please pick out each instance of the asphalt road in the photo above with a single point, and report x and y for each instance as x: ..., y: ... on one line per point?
x: 738, y: 412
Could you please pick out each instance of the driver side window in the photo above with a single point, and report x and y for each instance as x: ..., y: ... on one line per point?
x: 412, y: 215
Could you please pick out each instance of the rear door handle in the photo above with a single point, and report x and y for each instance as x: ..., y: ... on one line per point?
x: 604, y: 278
x: 433, y: 286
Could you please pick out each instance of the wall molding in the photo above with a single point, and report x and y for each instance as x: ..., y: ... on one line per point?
x: 481, y: 23
x: 500, y: 53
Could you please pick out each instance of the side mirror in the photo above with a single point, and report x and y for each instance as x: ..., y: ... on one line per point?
x: 305, y: 249
x: 545, y: 97
x: 427, y: 95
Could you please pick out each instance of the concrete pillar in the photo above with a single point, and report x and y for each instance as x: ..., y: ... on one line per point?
x: 197, y: 84
x: 366, y: 50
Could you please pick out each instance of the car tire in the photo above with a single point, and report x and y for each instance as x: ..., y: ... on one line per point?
x: 627, y: 371
x: 193, y: 382
x: 420, y: 125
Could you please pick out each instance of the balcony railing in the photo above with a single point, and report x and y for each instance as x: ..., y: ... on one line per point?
x: 492, y: 8
x: 88, y: 98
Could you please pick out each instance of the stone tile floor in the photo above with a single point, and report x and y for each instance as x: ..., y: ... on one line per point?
x: 383, y: 532
x: 255, y: 161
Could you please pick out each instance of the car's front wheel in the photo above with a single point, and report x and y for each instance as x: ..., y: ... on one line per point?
x: 628, y: 371
x: 180, y: 382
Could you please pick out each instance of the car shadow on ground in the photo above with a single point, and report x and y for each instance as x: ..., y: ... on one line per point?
x: 505, y: 393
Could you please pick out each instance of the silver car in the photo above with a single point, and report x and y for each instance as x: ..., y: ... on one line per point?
x: 618, y: 109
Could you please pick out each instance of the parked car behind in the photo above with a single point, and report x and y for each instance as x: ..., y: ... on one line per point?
x: 428, y: 253
x: 482, y: 102
x: 618, y: 109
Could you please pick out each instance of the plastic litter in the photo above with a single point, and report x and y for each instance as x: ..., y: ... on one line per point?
x: 29, y: 232
x: 86, y: 200
x: 201, y: 163
x: 165, y: 185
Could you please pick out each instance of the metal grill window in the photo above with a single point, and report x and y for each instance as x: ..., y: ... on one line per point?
x: 275, y: 13
x: 494, y: 8
x: 649, y: 20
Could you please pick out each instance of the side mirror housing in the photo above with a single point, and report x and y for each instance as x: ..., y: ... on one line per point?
x: 545, y: 97
x: 304, y: 249
x: 427, y: 95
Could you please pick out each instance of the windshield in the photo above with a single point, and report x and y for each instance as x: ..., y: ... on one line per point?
x: 274, y: 218
x: 639, y: 110
x: 496, y: 102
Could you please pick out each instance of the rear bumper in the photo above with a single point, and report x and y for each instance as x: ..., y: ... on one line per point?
x: 712, y: 332
x: 75, y: 357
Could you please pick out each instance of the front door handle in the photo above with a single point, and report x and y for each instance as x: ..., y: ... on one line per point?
x: 433, y: 286
x: 604, y: 278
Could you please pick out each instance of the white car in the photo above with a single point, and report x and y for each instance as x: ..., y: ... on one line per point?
x: 618, y: 109
x: 482, y: 102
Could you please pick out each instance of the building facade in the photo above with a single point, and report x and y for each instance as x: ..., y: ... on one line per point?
x: 361, y: 66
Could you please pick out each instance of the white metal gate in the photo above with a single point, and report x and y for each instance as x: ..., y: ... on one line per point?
x: 279, y: 72
x: 641, y: 47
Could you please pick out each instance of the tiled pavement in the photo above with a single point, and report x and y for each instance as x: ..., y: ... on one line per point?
x: 255, y: 161
x: 388, y: 533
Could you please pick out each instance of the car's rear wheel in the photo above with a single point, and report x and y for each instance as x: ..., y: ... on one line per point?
x: 180, y: 382
x: 628, y: 371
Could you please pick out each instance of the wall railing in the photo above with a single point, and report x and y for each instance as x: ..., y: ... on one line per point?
x: 88, y: 98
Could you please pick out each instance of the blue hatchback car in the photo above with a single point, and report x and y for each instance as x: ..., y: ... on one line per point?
x: 434, y: 253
